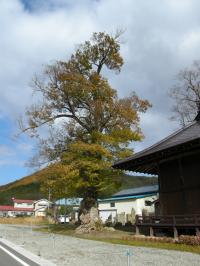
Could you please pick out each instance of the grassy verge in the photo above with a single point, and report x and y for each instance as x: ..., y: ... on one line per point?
x: 117, y: 236
x: 24, y: 220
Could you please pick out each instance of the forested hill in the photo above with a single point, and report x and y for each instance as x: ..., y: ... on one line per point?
x: 29, y: 186
x: 25, y: 188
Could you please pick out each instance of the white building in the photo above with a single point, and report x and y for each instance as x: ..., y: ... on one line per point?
x: 74, y: 203
x: 128, y: 203
x: 25, y: 207
x: 23, y: 203
x: 41, y: 206
x: 11, y: 211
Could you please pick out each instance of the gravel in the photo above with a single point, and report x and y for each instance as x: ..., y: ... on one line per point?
x: 66, y: 250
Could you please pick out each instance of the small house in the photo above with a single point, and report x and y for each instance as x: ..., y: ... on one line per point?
x: 126, y: 204
x: 11, y: 211
x: 23, y: 203
x: 41, y: 206
x: 25, y: 207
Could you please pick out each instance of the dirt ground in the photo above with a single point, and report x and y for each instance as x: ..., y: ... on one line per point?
x: 67, y: 250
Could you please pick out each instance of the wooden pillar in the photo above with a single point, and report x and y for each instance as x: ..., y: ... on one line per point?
x: 159, y: 190
x: 197, y: 231
x: 175, y: 232
x: 151, y: 231
x: 137, y: 230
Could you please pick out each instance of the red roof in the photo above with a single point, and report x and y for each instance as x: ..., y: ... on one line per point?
x: 11, y: 208
x: 22, y: 200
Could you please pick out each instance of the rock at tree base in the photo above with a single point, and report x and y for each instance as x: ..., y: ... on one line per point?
x: 90, y: 222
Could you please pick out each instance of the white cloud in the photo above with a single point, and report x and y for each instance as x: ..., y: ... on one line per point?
x: 25, y: 147
x: 161, y: 38
x: 6, y: 151
x: 15, y: 153
x: 12, y: 162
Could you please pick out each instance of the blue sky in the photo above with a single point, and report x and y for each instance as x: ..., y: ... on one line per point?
x: 161, y: 37
x: 14, y: 152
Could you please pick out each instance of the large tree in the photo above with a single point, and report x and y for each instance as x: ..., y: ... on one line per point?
x: 186, y: 94
x: 89, y: 125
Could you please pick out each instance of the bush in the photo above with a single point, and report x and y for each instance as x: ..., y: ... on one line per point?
x: 128, y: 224
x: 118, y: 225
x: 108, y: 223
x: 189, y: 240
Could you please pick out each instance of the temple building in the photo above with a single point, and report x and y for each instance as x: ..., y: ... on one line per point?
x: 176, y: 162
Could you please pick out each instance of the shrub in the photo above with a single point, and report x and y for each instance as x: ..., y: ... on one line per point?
x: 189, y: 240
x: 128, y: 224
x: 118, y: 225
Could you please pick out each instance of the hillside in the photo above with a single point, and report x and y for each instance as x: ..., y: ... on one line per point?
x: 25, y: 188
x: 29, y: 186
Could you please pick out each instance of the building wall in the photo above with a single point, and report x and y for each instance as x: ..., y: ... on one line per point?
x: 41, y: 207
x: 125, y: 206
x: 15, y: 213
x: 23, y: 205
x: 180, y: 186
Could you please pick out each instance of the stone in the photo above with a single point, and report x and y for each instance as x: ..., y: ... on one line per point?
x: 109, y: 229
x: 90, y: 222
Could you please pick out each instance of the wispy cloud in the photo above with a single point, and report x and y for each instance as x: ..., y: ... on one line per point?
x: 6, y: 151
x: 12, y: 162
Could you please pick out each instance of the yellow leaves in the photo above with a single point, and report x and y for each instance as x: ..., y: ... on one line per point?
x: 139, y: 104
x: 96, y: 127
x: 124, y: 153
x: 58, y: 180
x: 105, y: 49
x: 90, y: 150
x: 117, y: 136
x: 125, y: 135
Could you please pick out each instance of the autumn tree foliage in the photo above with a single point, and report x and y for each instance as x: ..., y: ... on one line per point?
x: 89, y: 125
x: 186, y: 94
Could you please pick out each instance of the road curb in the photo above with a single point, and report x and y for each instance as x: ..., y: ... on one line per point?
x: 27, y: 254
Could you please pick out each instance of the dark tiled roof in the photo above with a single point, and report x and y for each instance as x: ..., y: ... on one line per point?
x: 137, y: 191
x: 183, y: 136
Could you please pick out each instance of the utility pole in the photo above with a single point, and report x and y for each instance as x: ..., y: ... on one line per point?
x: 65, y: 210
x: 49, y: 194
x: 49, y: 197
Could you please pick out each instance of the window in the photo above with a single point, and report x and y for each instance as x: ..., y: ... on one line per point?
x: 147, y: 203
x: 112, y: 204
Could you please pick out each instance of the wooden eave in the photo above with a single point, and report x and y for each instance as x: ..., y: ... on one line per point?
x: 148, y: 164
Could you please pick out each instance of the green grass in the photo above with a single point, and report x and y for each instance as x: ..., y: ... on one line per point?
x: 68, y: 229
x: 117, y: 236
x: 24, y: 220
x: 168, y: 246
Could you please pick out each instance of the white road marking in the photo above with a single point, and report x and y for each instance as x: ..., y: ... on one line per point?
x: 15, y: 257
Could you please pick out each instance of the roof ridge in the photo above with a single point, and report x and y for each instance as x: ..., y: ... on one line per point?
x: 159, y: 142
x: 138, y: 190
x: 139, y: 187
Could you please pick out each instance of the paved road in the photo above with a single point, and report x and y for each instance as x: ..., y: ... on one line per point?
x: 9, y: 257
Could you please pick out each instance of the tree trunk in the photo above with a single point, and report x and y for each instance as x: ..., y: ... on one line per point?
x: 89, y: 216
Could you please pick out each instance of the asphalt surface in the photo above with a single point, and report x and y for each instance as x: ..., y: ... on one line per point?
x: 7, y: 260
